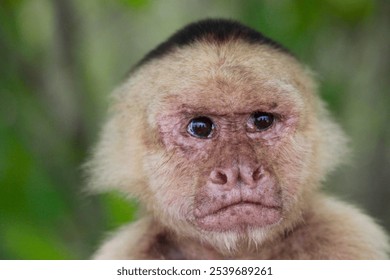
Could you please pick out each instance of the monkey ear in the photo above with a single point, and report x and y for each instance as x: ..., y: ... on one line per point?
x: 116, y: 161
x: 329, y: 138
x: 333, y: 149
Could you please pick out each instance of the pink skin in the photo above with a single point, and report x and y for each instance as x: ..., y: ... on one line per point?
x: 237, y: 197
x: 238, y: 187
x: 233, y: 176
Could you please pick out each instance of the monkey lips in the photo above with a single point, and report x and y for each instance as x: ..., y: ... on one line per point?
x: 237, y: 214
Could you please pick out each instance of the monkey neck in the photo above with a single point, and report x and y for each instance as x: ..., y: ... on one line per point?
x: 166, y: 245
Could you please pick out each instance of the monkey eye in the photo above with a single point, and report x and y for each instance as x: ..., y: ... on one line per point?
x: 260, y: 121
x: 200, y: 127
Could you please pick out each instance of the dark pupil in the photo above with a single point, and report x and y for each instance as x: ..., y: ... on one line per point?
x: 200, y: 127
x: 263, y: 120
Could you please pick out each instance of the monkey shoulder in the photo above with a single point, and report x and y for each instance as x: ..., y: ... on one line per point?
x: 142, y: 239
x: 129, y: 242
x: 332, y: 229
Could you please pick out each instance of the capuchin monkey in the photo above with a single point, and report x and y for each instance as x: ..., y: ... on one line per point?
x: 221, y: 136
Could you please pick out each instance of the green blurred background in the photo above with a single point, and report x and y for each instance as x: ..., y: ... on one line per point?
x: 59, y: 60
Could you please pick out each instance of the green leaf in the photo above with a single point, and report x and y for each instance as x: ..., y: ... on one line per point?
x: 28, y: 242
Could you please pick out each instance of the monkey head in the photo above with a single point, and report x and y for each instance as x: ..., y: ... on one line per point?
x: 220, y: 135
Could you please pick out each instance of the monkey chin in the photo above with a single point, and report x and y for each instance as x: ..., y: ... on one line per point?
x: 239, y: 217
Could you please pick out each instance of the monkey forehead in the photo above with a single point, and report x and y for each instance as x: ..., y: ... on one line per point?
x: 270, y: 96
x: 234, y: 76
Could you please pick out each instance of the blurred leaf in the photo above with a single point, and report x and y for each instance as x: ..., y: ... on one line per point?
x: 9, y: 32
x: 119, y: 209
x: 26, y: 241
x: 45, y: 203
x: 352, y: 11
x: 137, y: 4
x: 16, y: 164
x: 35, y: 41
x: 332, y: 94
x: 11, y: 4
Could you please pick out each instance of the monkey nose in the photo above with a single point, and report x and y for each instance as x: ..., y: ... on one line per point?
x: 219, y: 177
x: 250, y: 176
x: 227, y: 178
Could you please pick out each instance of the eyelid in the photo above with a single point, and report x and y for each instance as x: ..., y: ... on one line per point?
x: 203, y: 119
x: 251, y: 126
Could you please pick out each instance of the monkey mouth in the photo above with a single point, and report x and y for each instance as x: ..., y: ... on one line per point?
x: 241, y: 204
x: 238, y: 216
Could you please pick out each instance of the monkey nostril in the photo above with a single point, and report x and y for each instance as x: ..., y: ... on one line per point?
x: 257, y: 174
x: 219, y: 177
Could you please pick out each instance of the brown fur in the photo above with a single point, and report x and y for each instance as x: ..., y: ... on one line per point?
x: 145, y: 151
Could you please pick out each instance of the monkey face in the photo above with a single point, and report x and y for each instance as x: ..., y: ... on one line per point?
x: 233, y: 155
x: 239, y: 191
x: 220, y: 135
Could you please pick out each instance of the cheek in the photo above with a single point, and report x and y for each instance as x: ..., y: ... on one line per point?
x: 291, y: 162
x: 172, y: 184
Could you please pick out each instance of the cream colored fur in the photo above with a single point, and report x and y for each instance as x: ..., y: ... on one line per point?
x: 132, y: 157
x: 335, y: 231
